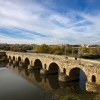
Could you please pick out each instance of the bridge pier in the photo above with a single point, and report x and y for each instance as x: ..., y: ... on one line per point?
x: 33, y: 67
x: 46, y: 72
x: 64, y: 84
x: 10, y: 61
x: 15, y: 63
x: 64, y: 78
x: 73, y: 78
x: 21, y: 64
x: 92, y: 87
x: 30, y: 67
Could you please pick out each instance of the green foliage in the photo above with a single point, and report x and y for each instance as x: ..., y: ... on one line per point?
x: 89, y: 52
x: 3, y: 58
x: 84, y: 50
x: 43, y: 48
x: 36, y: 49
x: 76, y: 97
x: 2, y: 47
x: 20, y: 48
x: 58, y: 52
x: 68, y: 49
x: 53, y: 49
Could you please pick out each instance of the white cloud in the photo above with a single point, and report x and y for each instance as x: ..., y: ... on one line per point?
x: 52, y: 27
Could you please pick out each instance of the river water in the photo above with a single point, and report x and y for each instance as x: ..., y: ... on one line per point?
x: 18, y: 83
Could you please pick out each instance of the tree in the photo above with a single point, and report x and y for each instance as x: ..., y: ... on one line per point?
x: 58, y: 52
x: 43, y: 48
x: 92, y: 51
x: 84, y: 50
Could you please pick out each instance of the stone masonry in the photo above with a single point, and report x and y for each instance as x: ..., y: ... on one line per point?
x: 90, y: 67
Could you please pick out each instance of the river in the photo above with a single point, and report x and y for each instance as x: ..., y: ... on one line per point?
x: 18, y: 83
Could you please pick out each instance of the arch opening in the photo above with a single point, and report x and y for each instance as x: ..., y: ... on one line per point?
x: 13, y: 57
x: 9, y: 57
x: 64, y: 71
x: 53, y: 67
x: 27, y: 62
x: 19, y: 59
x: 93, y: 78
x: 38, y: 63
x: 45, y: 66
x: 76, y: 74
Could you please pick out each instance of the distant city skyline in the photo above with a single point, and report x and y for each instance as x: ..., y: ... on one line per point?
x: 50, y: 21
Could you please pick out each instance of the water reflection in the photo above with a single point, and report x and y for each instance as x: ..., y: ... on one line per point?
x: 49, y: 82
x: 2, y: 64
x: 15, y: 87
x: 52, y: 80
x: 83, y: 80
x: 2, y: 68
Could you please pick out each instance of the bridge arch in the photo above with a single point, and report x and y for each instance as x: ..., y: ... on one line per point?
x: 45, y: 66
x: 53, y: 67
x: 75, y: 73
x: 27, y: 61
x: 9, y: 57
x: 38, y: 63
x: 13, y: 57
x: 64, y: 70
x: 93, y: 78
x: 19, y: 59
x: 80, y: 75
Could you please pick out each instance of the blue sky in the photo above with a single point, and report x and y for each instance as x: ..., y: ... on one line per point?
x: 50, y: 21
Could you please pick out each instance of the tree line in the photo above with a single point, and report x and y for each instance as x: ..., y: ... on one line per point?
x: 54, y: 49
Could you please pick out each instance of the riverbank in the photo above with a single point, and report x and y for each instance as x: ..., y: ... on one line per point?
x: 67, y: 94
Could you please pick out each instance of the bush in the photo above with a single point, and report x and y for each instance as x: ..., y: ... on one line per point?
x: 3, y: 58
x: 58, y: 52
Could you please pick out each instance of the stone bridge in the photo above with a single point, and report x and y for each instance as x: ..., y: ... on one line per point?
x: 67, y: 67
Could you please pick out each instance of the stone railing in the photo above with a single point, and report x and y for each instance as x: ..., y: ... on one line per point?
x: 56, y: 57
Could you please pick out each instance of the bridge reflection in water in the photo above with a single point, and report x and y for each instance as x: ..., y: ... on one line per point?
x: 49, y: 82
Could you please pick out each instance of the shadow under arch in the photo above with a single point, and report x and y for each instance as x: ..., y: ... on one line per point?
x: 13, y: 57
x: 19, y: 59
x: 74, y: 72
x: 78, y: 74
x: 64, y: 70
x: 38, y: 63
x: 26, y: 61
x: 54, y: 67
x: 9, y: 57
x: 93, y: 78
